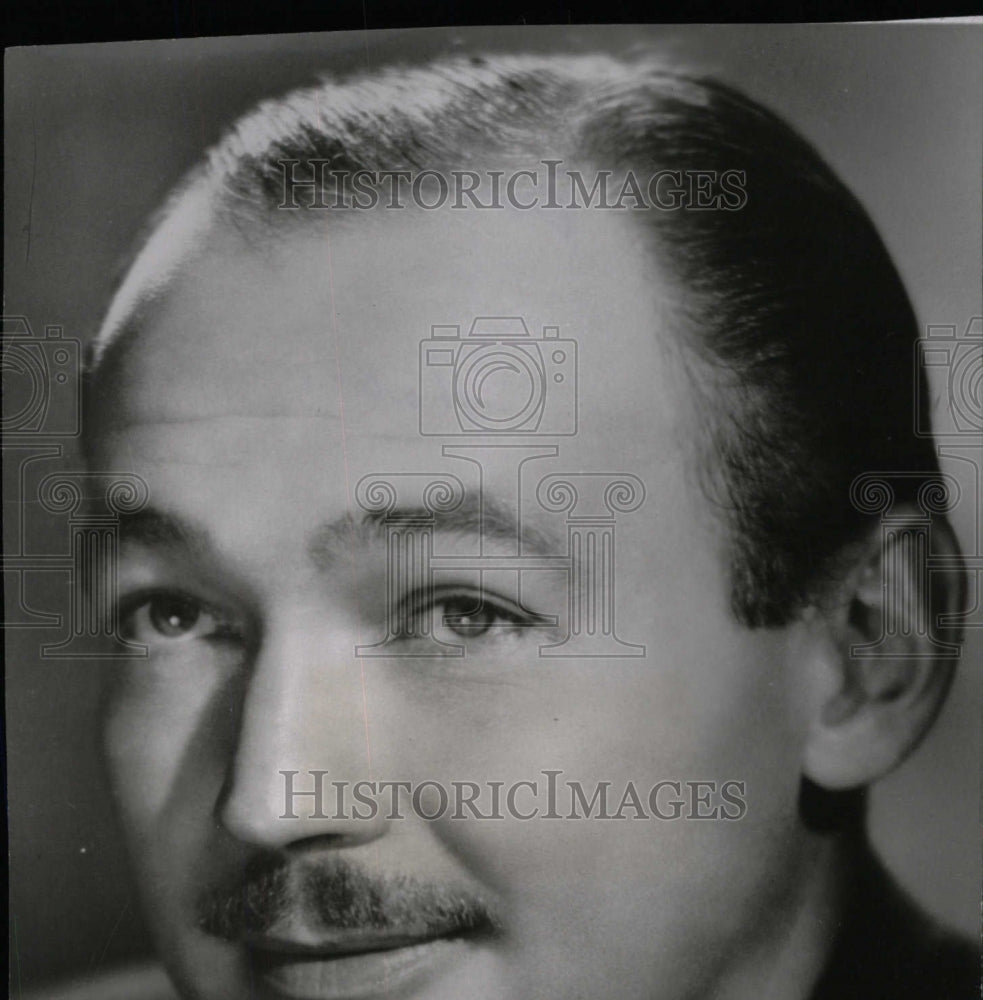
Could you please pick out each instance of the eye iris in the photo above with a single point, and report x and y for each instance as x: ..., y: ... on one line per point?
x: 468, y: 616
x: 174, y: 616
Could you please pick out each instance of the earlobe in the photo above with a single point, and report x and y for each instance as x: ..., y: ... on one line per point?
x: 893, y: 669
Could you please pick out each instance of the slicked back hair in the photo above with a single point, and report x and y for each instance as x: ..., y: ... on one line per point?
x: 798, y: 325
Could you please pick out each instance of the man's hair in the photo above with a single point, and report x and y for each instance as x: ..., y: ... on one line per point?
x: 797, y: 324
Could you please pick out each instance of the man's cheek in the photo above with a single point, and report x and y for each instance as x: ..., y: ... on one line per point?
x: 162, y: 734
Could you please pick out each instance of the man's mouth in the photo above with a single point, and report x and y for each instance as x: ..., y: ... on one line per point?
x: 327, y: 927
x: 354, y: 964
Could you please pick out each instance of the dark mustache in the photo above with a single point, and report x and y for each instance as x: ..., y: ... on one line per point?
x: 333, y: 894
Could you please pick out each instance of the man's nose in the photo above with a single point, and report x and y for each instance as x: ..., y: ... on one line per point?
x: 303, y: 729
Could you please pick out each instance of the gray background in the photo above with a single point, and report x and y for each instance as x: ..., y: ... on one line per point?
x: 96, y: 135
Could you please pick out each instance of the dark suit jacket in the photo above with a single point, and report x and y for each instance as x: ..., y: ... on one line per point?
x: 887, y: 949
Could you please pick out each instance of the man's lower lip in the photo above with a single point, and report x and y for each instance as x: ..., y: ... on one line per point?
x: 365, y: 974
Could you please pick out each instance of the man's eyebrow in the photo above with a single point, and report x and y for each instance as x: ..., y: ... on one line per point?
x: 487, y: 521
x: 156, y: 528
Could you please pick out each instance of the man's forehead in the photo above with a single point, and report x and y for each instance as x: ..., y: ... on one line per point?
x: 314, y: 317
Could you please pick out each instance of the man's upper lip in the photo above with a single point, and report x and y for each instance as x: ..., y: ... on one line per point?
x: 337, y: 944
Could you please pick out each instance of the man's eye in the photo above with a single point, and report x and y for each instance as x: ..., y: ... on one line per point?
x: 464, y: 615
x: 174, y: 616
x: 471, y: 616
x: 169, y: 616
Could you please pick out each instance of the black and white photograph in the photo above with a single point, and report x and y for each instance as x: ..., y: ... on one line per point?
x: 495, y: 513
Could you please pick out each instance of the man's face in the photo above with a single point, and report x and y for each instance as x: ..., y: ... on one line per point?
x: 271, y: 377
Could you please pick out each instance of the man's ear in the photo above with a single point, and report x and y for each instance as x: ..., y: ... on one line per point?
x: 892, y: 663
